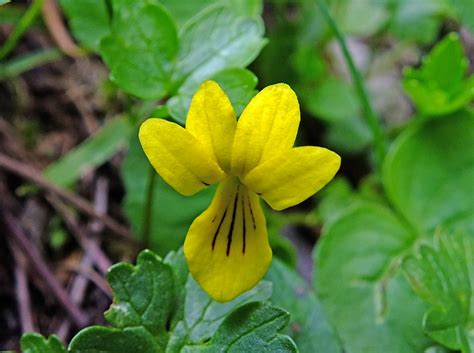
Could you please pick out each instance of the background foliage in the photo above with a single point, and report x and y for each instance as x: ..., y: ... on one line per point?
x: 387, y: 84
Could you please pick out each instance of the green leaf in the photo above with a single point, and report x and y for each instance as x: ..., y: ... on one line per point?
x: 171, y: 213
x: 333, y: 101
x: 35, y: 343
x: 439, y: 86
x: 202, y: 316
x: 141, y: 48
x: 361, y: 18
x: 360, y: 284
x: 464, y: 10
x: 417, y: 21
x: 308, y: 324
x: 215, y: 40
x: 251, y: 328
x: 3, y: 2
x: 99, y: 339
x: 429, y: 171
x: 443, y: 276
x: 89, y: 20
x: 183, y: 11
x: 91, y: 153
x: 239, y: 85
x: 143, y: 295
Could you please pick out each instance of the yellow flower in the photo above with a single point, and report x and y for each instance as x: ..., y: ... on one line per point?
x: 227, y: 246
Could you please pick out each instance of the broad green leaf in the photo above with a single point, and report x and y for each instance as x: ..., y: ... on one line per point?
x: 89, y: 20
x: 361, y: 18
x: 215, y: 40
x: 439, y: 86
x: 100, y: 339
x: 143, y: 296
x: 252, y: 328
x: 350, y: 136
x: 429, y: 172
x: 333, y: 101
x: 202, y: 316
x: 417, y: 21
x: 35, y: 343
x: 141, y: 49
x: 171, y: 213
x: 358, y: 278
x: 183, y: 11
x: 308, y: 324
x: 239, y: 85
x: 464, y: 10
x: 443, y: 276
x: 3, y: 2
x: 91, y: 153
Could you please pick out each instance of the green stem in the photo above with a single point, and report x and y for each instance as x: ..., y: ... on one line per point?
x: 370, y: 115
x: 148, y: 207
x: 27, y: 62
x: 24, y: 23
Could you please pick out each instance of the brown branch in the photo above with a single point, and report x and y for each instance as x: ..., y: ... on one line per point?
x: 38, y: 264
x: 35, y: 176
x: 22, y: 291
x: 53, y: 20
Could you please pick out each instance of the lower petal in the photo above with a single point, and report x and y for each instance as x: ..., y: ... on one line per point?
x: 227, y: 246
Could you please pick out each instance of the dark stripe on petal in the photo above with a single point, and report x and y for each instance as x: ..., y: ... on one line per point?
x: 204, y: 183
x: 251, y: 213
x: 244, y: 227
x: 231, y: 229
x: 218, y: 228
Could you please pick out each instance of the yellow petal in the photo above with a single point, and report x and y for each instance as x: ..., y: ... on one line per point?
x: 180, y: 159
x: 267, y: 127
x: 211, y: 119
x: 227, y: 246
x: 292, y: 177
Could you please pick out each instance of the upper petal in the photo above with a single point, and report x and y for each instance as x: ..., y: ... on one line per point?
x: 267, y: 127
x: 292, y: 177
x: 227, y: 246
x: 211, y: 119
x: 181, y: 160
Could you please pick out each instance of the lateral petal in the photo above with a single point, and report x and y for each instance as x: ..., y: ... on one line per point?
x: 267, y: 127
x: 292, y: 177
x: 227, y: 247
x: 181, y: 160
x: 211, y: 119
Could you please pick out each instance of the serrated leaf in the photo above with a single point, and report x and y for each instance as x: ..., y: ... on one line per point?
x: 202, y: 316
x: 439, y: 86
x: 35, y: 343
x: 252, y: 328
x: 443, y: 276
x: 91, y: 153
x: 100, y: 339
x: 429, y: 171
x: 239, y: 85
x: 141, y: 49
x: 359, y: 281
x: 215, y: 40
x: 308, y: 325
x: 143, y: 295
x: 171, y: 213
x: 89, y: 20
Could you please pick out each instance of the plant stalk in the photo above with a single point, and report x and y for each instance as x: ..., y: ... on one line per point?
x: 371, y: 117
